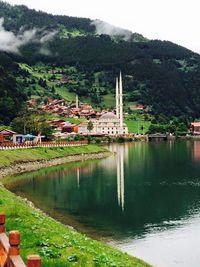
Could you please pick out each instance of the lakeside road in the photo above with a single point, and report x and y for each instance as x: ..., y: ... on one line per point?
x: 59, y: 245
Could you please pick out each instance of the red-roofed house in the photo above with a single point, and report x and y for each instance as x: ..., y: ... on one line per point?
x: 68, y: 127
x: 195, y: 128
x: 5, y: 135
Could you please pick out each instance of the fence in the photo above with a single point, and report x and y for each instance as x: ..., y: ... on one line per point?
x: 10, y: 145
x: 10, y: 249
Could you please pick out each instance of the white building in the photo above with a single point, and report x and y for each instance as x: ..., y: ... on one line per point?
x: 109, y: 123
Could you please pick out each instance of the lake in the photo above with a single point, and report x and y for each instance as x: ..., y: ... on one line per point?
x: 144, y: 199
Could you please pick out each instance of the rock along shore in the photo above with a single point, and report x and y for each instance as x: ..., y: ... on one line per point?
x: 36, y: 165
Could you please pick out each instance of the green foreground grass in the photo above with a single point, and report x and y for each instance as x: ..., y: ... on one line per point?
x: 10, y: 157
x: 58, y: 245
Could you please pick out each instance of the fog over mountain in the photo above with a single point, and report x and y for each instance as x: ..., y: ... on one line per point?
x: 154, y: 71
x: 103, y: 27
x: 10, y: 42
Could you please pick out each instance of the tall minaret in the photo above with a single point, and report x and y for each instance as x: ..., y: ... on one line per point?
x: 121, y: 103
x: 117, y: 98
x: 76, y: 101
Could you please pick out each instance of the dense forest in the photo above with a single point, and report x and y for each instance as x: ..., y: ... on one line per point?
x: 161, y: 75
x: 12, y: 97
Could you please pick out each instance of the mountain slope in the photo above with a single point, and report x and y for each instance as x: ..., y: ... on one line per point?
x: 159, y: 74
x: 12, y: 96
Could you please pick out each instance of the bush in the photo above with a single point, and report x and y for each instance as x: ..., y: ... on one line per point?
x: 121, y: 139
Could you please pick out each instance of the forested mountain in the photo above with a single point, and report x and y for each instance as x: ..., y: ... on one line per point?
x: 160, y: 74
x: 12, y: 96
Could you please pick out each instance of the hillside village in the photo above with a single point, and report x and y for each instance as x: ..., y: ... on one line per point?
x: 72, y: 119
x: 94, y: 123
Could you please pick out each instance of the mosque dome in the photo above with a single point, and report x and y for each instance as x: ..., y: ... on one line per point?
x: 108, y: 116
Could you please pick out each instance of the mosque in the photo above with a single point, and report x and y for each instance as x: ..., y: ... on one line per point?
x: 109, y: 123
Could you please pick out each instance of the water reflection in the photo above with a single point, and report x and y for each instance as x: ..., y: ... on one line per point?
x: 146, y: 193
x: 120, y: 180
x: 196, y: 150
x: 78, y: 176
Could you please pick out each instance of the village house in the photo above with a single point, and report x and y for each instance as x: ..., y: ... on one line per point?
x: 195, y: 128
x: 6, y: 135
x: 32, y: 103
x: 53, y: 71
x: 56, y: 123
x: 136, y: 107
x: 68, y: 127
x: 64, y: 80
x: 63, y: 129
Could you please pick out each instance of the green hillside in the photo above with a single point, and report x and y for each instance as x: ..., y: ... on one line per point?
x: 154, y: 72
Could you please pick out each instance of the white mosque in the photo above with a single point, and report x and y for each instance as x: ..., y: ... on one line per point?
x: 110, y: 123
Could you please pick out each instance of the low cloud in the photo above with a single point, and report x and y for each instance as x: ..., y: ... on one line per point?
x: 44, y: 51
x: 106, y: 28
x: 48, y: 36
x: 10, y: 42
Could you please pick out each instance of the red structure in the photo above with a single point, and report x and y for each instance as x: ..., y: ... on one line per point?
x: 1, y: 138
x: 10, y: 145
x: 195, y: 128
x: 6, y: 134
x: 10, y: 249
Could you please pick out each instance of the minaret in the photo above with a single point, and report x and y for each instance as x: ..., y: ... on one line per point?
x: 121, y: 103
x: 117, y: 98
x: 76, y: 101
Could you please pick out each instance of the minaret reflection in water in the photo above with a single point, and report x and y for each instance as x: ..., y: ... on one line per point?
x: 120, y: 179
x: 78, y: 176
x: 121, y: 152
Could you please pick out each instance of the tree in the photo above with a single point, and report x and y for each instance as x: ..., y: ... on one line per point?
x: 157, y: 128
x: 90, y: 126
x: 33, y: 124
x: 142, y: 129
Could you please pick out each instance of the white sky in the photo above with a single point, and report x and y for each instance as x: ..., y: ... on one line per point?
x: 174, y: 20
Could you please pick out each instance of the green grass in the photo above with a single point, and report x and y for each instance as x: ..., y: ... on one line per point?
x: 5, y: 127
x: 136, y: 121
x: 109, y: 100
x: 49, y: 116
x: 65, y: 94
x: 57, y: 244
x: 9, y: 157
x: 76, y: 121
x: 135, y: 126
x: 36, y: 73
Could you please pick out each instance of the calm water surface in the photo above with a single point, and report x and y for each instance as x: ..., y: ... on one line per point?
x: 145, y: 199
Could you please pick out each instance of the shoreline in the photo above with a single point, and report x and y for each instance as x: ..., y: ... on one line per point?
x: 22, y: 167
x: 37, y: 227
x: 56, y: 242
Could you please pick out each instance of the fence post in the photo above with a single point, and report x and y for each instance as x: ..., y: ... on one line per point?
x: 14, y: 241
x: 34, y: 261
x: 2, y: 222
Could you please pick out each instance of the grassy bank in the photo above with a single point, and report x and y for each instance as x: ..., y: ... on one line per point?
x: 58, y: 245
x: 10, y: 157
